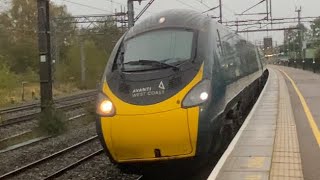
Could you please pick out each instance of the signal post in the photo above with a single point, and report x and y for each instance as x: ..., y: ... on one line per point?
x: 44, y: 54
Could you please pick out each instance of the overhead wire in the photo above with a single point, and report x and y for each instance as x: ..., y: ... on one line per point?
x: 223, y: 6
x: 113, y: 1
x: 211, y: 9
x: 229, y: 9
x: 263, y: 23
x: 253, y: 6
x: 143, y: 10
x: 186, y: 4
x: 85, y: 5
x: 201, y: 2
x: 123, y: 4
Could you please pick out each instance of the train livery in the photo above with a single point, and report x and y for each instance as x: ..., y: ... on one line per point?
x: 174, y: 86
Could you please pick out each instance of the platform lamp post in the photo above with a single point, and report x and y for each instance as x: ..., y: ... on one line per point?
x: 44, y: 54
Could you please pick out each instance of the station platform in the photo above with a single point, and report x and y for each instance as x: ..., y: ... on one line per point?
x: 280, y: 138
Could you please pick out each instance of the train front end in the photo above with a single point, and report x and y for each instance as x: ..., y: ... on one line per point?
x: 153, y: 87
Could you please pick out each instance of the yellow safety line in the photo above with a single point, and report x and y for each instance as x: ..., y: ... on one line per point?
x: 306, y: 109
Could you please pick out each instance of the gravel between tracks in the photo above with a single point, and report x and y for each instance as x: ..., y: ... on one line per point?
x: 43, y: 170
x: 13, y: 159
x: 6, y: 132
x: 9, y: 131
x: 98, y: 167
x: 20, y: 113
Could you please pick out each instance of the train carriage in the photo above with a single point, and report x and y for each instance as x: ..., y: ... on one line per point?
x: 171, y: 86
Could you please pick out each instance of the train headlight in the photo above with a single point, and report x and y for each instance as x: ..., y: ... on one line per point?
x: 204, y: 96
x: 198, y: 94
x: 104, y: 106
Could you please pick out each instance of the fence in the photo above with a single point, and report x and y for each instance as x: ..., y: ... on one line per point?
x: 309, y: 65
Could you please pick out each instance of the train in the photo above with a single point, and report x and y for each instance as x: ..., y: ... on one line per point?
x: 175, y: 87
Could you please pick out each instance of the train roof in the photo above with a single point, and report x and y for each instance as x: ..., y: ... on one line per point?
x: 172, y: 18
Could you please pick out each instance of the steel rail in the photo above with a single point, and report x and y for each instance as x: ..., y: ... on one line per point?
x: 37, y: 162
x: 73, y: 165
x: 140, y: 177
x: 19, y: 119
x: 64, y: 107
x: 37, y: 104
x: 28, y: 132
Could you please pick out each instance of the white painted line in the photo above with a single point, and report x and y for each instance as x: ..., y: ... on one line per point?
x: 10, y: 148
x: 76, y: 117
x: 16, y: 135
x: 226, y: 154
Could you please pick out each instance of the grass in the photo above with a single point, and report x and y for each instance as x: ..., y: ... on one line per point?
x: 13, y: 96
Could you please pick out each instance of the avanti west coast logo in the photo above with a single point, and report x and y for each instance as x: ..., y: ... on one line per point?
x: 149, y: 91
x: 161, y: 86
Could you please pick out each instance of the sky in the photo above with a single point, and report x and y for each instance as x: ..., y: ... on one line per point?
x: 280, y: 9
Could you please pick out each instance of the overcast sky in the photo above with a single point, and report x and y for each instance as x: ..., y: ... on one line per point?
x: 281, y: 8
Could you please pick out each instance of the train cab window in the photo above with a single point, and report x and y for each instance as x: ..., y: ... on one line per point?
x: 172, y: 47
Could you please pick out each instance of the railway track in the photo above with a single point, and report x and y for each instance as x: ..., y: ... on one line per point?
x: 37, y: 103
x: 46, y: 160
x: 140, y: 177
x: 64, y: 162
x: 73, y: 165
x: 26, y: 134
x: 14, y: 115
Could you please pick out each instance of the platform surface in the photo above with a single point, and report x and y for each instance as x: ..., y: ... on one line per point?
x: 308, y: 123
x: 278, y: 140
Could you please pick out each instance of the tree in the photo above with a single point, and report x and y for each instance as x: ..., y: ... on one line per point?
x: 292, y: 44
x: 4, y: 42
x: 20, y: 20
x: 63, y: 32
x: 105, y: 35
x: 315, y: 31
x: 98, y: 41
x: 19, y: 42
x: 70, y: 70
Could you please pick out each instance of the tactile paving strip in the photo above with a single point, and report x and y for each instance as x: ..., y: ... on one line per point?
x: 286, y: 160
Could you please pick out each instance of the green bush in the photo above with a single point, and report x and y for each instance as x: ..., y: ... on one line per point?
x: 70, y: 69
x: 317, y: 59
x: 30, y: 76
x: 52, y: 122
x: 8, y: 80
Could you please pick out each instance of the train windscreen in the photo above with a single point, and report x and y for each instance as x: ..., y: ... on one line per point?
x: 170, y: 47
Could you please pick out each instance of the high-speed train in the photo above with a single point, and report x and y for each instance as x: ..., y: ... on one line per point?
x: 175, y: 87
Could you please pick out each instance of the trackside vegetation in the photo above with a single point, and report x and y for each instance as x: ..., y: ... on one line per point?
x: 19, y: 60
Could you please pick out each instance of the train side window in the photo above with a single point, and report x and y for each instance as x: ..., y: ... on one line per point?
x: 241, y: 48
x: 231, y: 63
x: 252, y: 58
